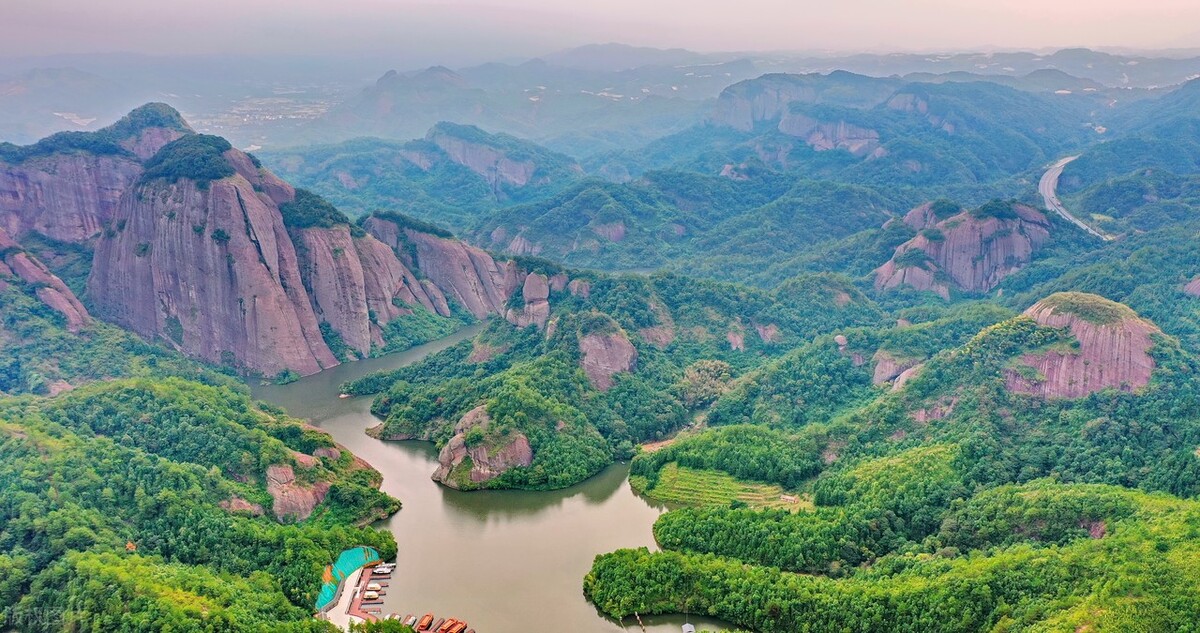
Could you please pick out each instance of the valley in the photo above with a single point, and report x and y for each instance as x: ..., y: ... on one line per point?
x: 491, y: 558
x: 615, y: 338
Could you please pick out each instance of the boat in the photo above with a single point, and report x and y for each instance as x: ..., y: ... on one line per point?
x: 370, y: 595
x: 458, y: 628
x: 447, y: 625
x: 425, y: 622
x: 437, y: 626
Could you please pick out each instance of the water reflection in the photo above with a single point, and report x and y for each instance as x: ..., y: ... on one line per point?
x: 505, y: 561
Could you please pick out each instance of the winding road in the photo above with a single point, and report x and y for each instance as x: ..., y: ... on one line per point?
x: 1047, y: 187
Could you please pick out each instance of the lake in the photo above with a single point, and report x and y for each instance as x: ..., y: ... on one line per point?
x: 504, y: 561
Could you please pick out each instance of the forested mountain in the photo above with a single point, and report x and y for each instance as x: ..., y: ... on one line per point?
x: 450, y: 177
x: 990, y: 487
x: 824, y: 316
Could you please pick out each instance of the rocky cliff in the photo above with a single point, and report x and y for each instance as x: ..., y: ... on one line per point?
x: 212, y: 271
x: 747, y: 104
x: 830, y: 135
x: 462, y: 466
x: 67, y: 188
x: 1193, y: 287
x: 1112, y: 352
x: 290, y: 498
x: 971, y: 251
x: 462, y: 272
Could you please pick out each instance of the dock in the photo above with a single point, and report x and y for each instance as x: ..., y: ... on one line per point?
x: 353, y: 606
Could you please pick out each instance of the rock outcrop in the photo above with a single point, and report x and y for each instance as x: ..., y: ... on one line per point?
x: 536, y: 293
x: 889, y: 368
x: 292, y: 499
x: 16, y: 264
x: 1112, y: 353
x: 604, y: 355
x: 971, y: 251
x: 489, y: 459
x: 829, y: 135
x: 1193, y: 287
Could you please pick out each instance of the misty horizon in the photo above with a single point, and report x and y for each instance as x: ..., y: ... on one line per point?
x: 411, y: 35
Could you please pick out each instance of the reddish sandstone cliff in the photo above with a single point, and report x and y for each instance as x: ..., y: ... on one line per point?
x: 971, y: 251
x: 213, y: 272
x: 467, y: 274
x: 18, y: 265
x: 1112, y: 351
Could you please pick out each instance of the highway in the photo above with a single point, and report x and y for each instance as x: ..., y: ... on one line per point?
x: 1047, y: 187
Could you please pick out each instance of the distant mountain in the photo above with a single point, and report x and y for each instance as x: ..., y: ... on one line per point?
x: 451, y: 176
x: 1046, y: 80
x: 1124, y: 71
x: 861, y: 129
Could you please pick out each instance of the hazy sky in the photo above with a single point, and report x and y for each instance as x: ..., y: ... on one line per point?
x: 477, y: 29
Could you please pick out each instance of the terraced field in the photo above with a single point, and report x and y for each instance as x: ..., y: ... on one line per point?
x: 687, y: 486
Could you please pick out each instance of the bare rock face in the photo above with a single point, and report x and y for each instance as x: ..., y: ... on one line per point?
x: 1193, y: 287
x: 385, y: 279
x: 350, y: 279
x: 906, y: 375
x: 328, y: 452
x: 489, y: 459
x: 238, y: 505
x: 605, y: 355
x: 967, y: 251
x: 18, y: 264
x: 333, y: 275
x: 580, y: 288
x: 468, y: 274
x: 66, y: 197
x: 291, y: 498
x: 146, y: 142
x: 536, y: 292
x: 213, y: 272
x: 489, y: 162
x: 769, y: 333
x: 829, y: 135
x: 888, y: 367
x: 1112, y: 353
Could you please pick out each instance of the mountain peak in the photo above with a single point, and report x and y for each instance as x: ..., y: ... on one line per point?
x: 1091, y: 308
x: 1110, y: 349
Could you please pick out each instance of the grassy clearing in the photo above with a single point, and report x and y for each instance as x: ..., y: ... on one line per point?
x: 688, y: 486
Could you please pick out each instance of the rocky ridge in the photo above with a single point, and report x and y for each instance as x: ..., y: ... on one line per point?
x: 217, y: 269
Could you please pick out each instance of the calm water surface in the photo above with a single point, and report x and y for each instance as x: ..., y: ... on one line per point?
x: 505, y: 561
